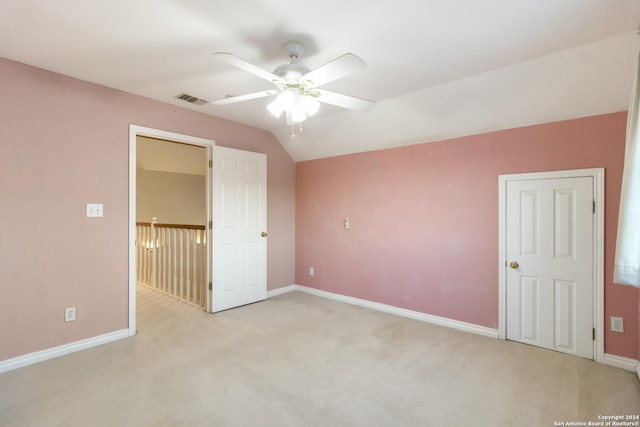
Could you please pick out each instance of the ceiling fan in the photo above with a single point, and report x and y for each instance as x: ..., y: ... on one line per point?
x: 297, y: 87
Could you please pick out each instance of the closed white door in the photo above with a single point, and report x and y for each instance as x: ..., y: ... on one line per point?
x: 549, y: 257
x: 239, y: 228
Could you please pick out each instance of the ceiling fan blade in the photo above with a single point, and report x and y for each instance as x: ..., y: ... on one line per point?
x: 231, y: 99
x: 338, y: 68
x: 247, y: 66
x: 344, y: 101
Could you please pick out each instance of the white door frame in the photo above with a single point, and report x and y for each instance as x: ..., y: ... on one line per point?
x: 598, y: 247
x: 134, y: 132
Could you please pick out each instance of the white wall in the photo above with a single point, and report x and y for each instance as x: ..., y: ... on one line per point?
x: 175, y: 198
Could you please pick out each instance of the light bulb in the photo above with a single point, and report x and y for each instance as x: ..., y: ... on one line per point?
x: 283, y: 102
x: 275, y: 108
x: 297, y: 105
x: 298, y: 114
x: 309, y: 104
x: 287, y: 99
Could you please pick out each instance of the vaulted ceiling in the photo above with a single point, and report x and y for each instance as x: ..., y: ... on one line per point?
x: 436, y: 69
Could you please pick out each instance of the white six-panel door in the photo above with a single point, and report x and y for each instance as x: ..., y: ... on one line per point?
x: 239, y: 222
x: 549, y: 254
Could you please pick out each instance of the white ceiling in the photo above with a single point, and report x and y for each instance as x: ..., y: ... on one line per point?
x: 436, y: 68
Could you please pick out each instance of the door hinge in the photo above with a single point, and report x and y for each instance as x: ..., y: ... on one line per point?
x: 210, y: 224
x: 210, y: 163
x: 594, y: 334
x: 594, y: 206
x: 210, y: 284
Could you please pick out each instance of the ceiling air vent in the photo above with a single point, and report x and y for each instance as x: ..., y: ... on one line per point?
x: 191, y: 99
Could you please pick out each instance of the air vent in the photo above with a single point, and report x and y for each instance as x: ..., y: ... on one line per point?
x: 191, y: 99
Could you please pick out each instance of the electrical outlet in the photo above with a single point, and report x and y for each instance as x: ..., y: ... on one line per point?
x: 69, y: 314
x: 617, y: 324
x: 311, y: 271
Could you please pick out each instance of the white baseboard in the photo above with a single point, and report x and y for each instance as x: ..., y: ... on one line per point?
x: 50, y: 353
x: 428, y: 318
x: 280, y: 291
x: 622, y: 362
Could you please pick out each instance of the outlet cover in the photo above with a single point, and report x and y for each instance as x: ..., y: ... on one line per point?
x: 617, y: 324
x: 69, y: 314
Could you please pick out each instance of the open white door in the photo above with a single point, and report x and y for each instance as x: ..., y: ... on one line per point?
x: 239, y: 228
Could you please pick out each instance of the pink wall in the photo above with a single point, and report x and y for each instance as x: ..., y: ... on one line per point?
x: 424, y: 219
x: 65, y: 143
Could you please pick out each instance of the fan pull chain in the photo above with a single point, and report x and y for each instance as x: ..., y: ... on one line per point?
x: 293, y: 130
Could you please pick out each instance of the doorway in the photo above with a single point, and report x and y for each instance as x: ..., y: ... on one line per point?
x: 171, y: 218
x: 139, y: 131
x: 239, y: 196
x: 551, y: 282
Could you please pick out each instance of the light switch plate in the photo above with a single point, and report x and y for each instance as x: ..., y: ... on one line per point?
x: 94, y: 210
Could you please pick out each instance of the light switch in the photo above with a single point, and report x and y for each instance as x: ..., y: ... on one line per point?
x: 94, y: 210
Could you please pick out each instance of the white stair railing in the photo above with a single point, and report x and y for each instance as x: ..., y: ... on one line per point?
x: 171, y: 259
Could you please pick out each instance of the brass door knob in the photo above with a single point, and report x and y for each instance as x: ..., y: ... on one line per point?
x: 263, y: 234
x: 514, y: 265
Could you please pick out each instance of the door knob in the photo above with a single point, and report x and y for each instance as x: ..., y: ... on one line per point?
x: 263, y: 234
x: 514, y: 265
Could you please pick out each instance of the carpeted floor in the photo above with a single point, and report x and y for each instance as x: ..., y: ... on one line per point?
x: 300, y: 360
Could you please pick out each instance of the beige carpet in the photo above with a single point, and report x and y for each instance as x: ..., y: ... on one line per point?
x: 300, y: 360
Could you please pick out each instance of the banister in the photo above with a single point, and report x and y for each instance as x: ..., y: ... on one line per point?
x: 172, y: 259
x: 187, y: 227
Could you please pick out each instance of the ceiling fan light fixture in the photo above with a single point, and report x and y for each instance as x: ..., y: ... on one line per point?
x: 297, y: 114
x: 275, y: 109
x: 299, y: 106
x: 309, y: 104
x: 283, y: 102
